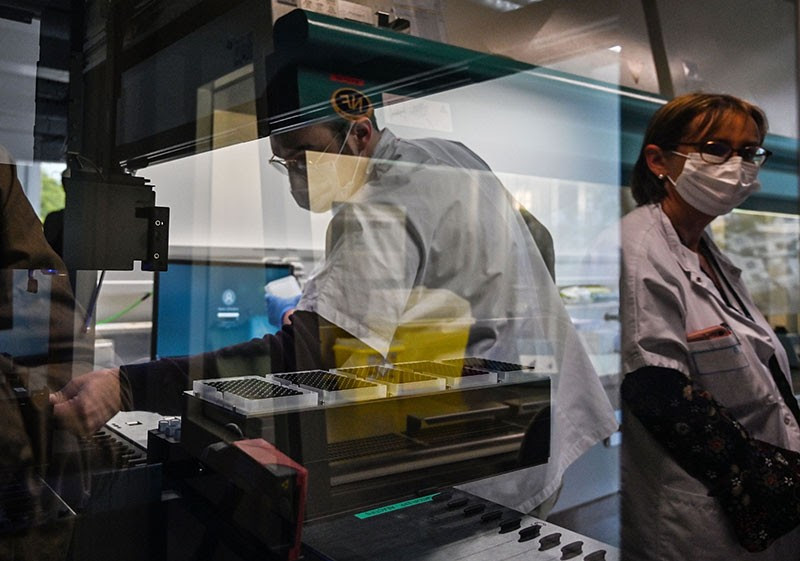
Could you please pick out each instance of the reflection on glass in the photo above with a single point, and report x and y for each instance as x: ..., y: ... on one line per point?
x: 430, y: 345
x: 41, y: 350
x: 432, y: 271
x: 765, y: 247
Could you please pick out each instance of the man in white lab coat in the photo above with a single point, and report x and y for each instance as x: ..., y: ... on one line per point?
x: 422, y: 234
x: 423, y: 231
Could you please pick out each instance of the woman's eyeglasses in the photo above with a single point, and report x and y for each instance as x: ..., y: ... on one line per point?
x: 718, y: 152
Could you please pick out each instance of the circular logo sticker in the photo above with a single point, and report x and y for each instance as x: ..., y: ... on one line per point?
x: 351, y: 104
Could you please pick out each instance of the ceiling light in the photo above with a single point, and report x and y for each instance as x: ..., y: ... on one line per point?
x: 505, y: 5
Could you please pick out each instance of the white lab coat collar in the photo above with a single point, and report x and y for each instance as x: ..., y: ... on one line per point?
x: 688, y: 259
x: 380, y: 160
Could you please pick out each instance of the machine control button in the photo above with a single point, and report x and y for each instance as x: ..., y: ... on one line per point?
x: 492, y: 515
x: 510, y: 525
x: 549, y: 541
x: 530, y: 532
x: 472, y: 510
x: 572, y: 550
x: 457, y: 503
x: 442, y: 497
x: 599, y: 555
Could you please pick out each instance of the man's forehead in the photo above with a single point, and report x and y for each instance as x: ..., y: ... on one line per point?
x: 312, y: 136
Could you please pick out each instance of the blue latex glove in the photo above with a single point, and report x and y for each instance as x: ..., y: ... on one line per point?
x: 277, y: 307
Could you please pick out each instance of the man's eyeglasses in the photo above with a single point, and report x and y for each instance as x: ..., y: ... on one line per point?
x: 293, y: 165
x: 718, y: 152
x: 300, y: 163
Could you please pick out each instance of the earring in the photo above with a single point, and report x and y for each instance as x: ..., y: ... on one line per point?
x: 661, y: 176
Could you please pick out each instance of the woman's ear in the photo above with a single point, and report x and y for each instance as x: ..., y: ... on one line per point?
x: 656, y: 160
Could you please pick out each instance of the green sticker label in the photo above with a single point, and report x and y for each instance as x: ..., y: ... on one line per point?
x: 395, y: 506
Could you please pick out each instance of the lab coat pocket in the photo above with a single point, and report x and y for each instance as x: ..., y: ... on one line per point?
x: 689, y: 524
x: 717, y: 355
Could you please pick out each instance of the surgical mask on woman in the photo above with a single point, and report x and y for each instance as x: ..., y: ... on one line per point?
x: 716, y: 189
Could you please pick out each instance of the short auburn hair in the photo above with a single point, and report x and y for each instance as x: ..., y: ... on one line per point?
x: 670, y: 124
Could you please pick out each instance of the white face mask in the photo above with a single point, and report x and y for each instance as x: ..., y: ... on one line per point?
x: 328, y: 178
x: 326, y: 184
x: 716, y: 189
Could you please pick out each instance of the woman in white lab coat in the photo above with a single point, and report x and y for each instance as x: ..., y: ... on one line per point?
x: 710, y: 464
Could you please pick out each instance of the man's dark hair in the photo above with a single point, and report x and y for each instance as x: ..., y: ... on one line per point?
x: 340, y: 126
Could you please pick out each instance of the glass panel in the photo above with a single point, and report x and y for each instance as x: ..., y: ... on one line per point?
x: 764, y: 246
x: 748, y: 43
x: 426, y: 322
x: 602, y: 41
x: 21, y: 46
x: 398, y: 268
x: 186, y: 78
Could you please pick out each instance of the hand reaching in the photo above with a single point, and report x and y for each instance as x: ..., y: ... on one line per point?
x: 278, y: 307
x: 88, y: 401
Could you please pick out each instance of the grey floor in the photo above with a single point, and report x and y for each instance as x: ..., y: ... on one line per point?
x: 598, y: 519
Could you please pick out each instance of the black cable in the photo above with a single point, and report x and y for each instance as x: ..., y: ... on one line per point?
x: 87, y: 322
